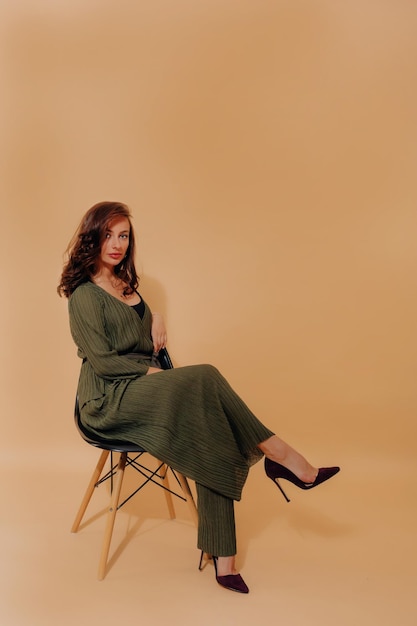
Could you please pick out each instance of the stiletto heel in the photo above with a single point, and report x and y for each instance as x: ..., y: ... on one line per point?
x: 200, y: 565
x: 275, y: 471
x: 234, y: 582
x: 278, y: 484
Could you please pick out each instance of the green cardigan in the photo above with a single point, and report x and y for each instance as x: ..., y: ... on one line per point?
x: 188, y: 417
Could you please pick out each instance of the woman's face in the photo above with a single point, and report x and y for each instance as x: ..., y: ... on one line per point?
x: 115, y: 243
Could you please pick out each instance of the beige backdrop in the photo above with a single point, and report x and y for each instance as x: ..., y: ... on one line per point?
x: 268, y: 152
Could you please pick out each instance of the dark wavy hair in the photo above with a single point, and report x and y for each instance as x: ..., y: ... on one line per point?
x: 84, y: 249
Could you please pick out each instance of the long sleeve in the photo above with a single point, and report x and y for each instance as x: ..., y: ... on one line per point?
x: 101, y: 327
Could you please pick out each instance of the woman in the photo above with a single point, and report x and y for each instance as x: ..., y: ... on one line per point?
x: 189, y: 417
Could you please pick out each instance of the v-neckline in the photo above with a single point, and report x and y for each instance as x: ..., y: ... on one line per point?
x: 115, y: 298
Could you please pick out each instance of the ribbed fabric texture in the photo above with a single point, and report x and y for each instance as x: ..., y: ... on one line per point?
x: 188, y: 417
x: 216, y: 523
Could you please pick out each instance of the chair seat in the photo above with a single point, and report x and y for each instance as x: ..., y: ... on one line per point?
x: 113, y: 445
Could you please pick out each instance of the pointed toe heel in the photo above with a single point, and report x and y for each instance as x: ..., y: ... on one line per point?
x: 233, y: 582
x: 275, y: 471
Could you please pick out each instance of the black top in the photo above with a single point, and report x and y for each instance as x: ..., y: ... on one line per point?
x: 139, y: 308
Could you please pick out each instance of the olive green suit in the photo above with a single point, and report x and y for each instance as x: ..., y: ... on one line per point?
x: 189, y: 417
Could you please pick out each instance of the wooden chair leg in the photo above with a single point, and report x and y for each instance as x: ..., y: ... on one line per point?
x: 190, y: 500
x: 115, y: 497
x: 111, y: 515
x: 168, y: 496
x: 89, y: 492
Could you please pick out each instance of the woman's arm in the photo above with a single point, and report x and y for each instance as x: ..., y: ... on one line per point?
x: 158, y: 332
x: 159, y: 338
x: 88, y: 331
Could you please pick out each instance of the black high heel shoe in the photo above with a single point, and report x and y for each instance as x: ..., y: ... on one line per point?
x: 274, y: 471
x: 234, y: 582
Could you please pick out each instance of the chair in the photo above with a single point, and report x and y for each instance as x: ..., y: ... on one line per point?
x: 131, y: 456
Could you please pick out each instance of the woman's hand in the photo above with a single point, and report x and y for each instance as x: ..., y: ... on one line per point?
x: 158, y: 332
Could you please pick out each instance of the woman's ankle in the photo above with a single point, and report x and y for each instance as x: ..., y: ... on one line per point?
x: 277, y: 450
x: 226, y: 565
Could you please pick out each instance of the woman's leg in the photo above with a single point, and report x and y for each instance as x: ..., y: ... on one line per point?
x: 277, y: 450
x: 216, y: 523
x: 216, y: 528
x: 252, y: 436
